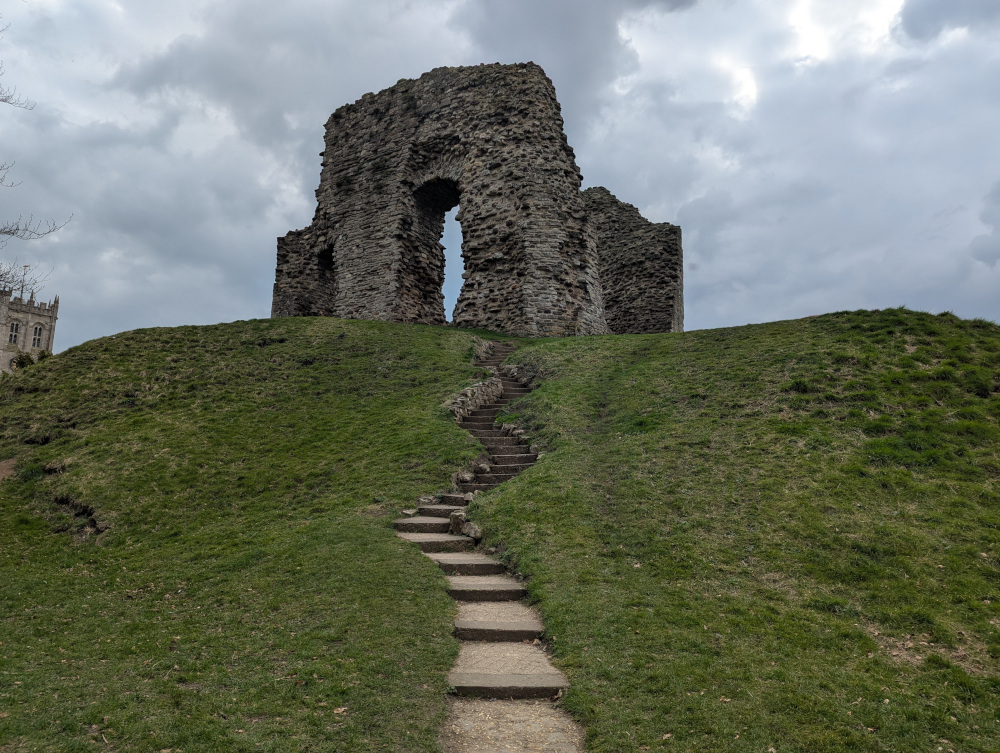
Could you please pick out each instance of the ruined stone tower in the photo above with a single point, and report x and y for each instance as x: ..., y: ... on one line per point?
x: 537, y: 250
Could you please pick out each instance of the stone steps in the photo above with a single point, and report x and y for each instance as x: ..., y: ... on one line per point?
x: 467, y: 563
x: 508, y: 455
x: 438, y: 542
x: 497, y: 621
x: 504, y: 670
x: 493, y: 477
x: 511, y: 459
x: 510, y: 467
x: 477, y: 421
x: 484, y: 432
x: 453, y: 498
x: 508, y: 448
x: 486, y: 411
x: 422, y: 524
x: 504, y: 445
x: 501, y: 656
x: 485, y: 588
x: 438, y: 511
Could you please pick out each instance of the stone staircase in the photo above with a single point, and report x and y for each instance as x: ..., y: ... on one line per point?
x: 501, y: 656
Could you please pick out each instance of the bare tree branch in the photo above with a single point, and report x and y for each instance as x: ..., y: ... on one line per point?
x: 27, y: 229
x: 22, y: 279
x: 4, y: 167
x: 10, y: 96
x: 25, y: 277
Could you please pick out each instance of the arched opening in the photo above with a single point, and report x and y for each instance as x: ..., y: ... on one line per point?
x: 454, y: 265
x: 434, y: 200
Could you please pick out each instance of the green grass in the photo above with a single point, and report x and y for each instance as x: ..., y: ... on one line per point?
x: 783, y: 536
x: 196, y: 551
x: 777, y: 536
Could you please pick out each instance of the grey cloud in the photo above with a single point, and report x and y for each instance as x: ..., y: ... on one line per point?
x: 986, y: 247
x: 707, y: 218
x: 575, y: 41
x: 925, y: 19
x: 281, y: 69
x: 838, y: 189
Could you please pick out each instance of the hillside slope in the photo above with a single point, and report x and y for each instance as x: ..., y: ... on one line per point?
x: 773, y: 537
x: 196, y: 551
x: 781, y: 536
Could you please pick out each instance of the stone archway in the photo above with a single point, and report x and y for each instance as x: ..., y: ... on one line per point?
x: 490, y: 134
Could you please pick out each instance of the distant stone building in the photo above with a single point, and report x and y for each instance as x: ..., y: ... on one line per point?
x: 26, y: 326
x: 541, y: 257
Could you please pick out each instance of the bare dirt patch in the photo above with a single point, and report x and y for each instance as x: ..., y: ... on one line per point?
x: 913, y: 649
x: 7, y: 468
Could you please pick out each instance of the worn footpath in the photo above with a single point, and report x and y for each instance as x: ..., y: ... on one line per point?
x: 504, y: 684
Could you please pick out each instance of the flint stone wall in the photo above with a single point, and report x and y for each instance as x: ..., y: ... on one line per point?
x: 488, y: 138
x: 641, y: 267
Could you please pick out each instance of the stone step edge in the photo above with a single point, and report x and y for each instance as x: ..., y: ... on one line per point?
x: 438, y: 542
x: 487, y: 593
x: 493, y: 631
x: 478, y: 685
x: 475, y: 565
x: 422, y: 524
x: 443, y: 511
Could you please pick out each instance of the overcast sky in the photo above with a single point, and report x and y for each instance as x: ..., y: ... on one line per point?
x: 819, y: 155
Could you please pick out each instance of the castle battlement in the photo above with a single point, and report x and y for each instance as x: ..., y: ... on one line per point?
x: 29, y: 306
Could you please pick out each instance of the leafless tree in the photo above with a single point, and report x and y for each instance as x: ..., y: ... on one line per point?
x: 15, y: 277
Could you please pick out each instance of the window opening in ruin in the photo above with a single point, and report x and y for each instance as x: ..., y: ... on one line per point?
x: 325, y: 259
x: 13, y: 334
x: 454, y: 266
x: 36, y: 338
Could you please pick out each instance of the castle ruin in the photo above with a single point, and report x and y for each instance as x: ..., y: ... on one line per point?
x: 542, y: 257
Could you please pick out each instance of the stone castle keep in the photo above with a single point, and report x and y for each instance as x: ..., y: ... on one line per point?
x: 542, y: 257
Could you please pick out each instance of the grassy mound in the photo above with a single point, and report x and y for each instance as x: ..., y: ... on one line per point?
x: 777, y: 537
x: 783, y: 536
x: 195, y: 547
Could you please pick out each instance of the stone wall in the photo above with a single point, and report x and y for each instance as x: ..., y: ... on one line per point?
x: 489, y: 139
x: 641, y: 267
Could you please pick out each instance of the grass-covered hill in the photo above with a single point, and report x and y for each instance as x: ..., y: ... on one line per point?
x: 781, y: 536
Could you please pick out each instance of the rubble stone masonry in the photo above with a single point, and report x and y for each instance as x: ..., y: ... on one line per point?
x: 538, y: 252
x: 640, y: 267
